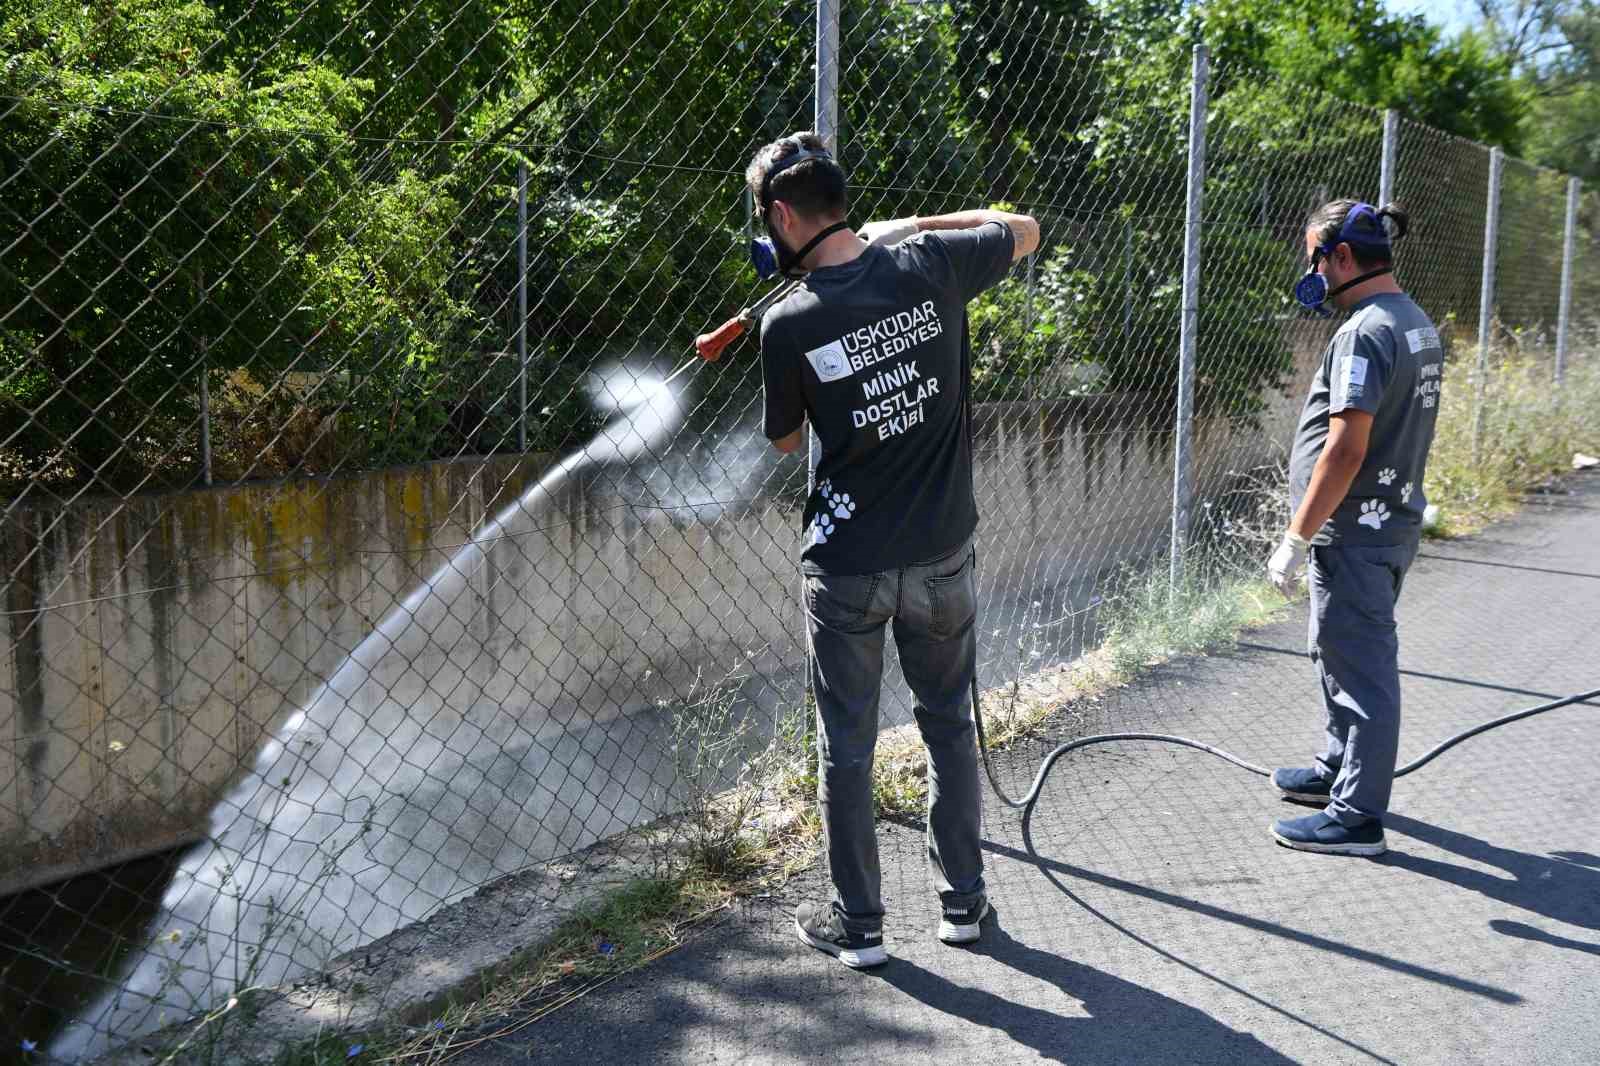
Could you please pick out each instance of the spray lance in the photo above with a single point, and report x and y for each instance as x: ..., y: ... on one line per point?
x: 709, y: 346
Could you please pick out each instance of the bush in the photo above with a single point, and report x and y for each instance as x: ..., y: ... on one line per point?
x: 1530, y: 430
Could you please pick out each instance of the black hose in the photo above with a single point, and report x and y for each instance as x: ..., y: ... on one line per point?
x: 1026, y: 802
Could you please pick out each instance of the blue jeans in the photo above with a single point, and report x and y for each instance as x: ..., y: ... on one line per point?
x: 934, y: 610
x: 1357, y: 651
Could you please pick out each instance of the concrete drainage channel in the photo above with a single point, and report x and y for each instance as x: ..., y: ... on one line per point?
x: 410, y: 976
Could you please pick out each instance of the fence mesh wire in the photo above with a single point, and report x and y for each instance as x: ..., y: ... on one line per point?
x: 322, y: 556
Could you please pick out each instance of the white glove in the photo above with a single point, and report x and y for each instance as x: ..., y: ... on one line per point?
x: 890, y: 232
x: 1284, y: 566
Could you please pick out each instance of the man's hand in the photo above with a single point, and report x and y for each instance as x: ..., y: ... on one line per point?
x: 889, y: 232
x: 791, y: 442
x: 1285, y: 564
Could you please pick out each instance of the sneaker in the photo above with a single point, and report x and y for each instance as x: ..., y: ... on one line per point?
x: 822, y: 927
x: 959, y: 925
x: 1321, y: 833
x: 1303, y: 783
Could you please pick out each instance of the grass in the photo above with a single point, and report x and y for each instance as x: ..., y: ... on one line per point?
x: 1149, y: 619
x: 1530, y: 430
x: 636, y: 925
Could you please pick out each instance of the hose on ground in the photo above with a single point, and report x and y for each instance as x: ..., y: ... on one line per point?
x: 1027, y: 801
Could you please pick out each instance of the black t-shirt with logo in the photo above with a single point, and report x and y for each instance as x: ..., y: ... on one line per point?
x: 872, y: 352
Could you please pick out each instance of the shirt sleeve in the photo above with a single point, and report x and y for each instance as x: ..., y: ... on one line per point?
x: 785, y: 393
x: 979, y: 257
x: 1359, y: 370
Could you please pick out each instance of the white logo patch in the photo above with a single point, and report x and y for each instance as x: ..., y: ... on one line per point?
x: 1374, y: 513
x: 1422, y: 340
x: 829, y: 361
x: 1355, y: 373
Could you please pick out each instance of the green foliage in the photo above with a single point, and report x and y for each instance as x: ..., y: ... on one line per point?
x: 1357, y: 51
x: 310, y: 215
x: 1556, y: 47
x: 1529, y: 430
x: 242, y: 235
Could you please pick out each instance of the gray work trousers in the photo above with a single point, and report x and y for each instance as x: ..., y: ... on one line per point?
x: 1353, y: 642
x: 934, y: 610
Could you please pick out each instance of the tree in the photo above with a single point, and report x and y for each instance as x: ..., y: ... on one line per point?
x: 166, y: 219
x: 1554, y: 46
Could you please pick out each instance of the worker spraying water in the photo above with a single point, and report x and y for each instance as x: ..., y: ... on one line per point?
x: 872, y: 350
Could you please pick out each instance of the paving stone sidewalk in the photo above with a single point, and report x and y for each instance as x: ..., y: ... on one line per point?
x: 1146, y: 917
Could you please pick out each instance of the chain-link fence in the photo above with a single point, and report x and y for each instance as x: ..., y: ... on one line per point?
x: 349, y: 534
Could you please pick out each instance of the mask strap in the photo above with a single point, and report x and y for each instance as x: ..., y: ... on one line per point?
x: 1353, y: 282
x: 799, y: 257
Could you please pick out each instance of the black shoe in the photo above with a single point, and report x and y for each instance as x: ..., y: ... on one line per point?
x: 822, y: 927
x: 1321, y: 833
x: 959, y: 925
x: 1304, y: 784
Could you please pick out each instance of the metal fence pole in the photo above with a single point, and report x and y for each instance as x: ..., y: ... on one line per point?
x: 1391, y: 144
x: 205, y: 393
x: 828, y: 73
x: 1027, y: 303
x: 1491, y: 238
x: 1188, y: 335
x: 1032, y: 385
x: 1568, y: 251
x: 827, y: 127
x: 1127, y: 277
x: 522, y: 306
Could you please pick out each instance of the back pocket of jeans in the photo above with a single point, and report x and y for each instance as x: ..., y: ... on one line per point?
x: 952, y: 600
x: 838, y: 601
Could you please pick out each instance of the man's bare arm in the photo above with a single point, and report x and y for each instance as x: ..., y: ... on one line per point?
x: 1024, y: 229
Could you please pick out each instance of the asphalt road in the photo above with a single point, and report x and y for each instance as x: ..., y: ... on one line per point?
x: 1144, y: 916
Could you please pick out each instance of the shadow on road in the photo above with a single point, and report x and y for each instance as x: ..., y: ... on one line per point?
x: 1125, y: 1022
x: 1564, y: 886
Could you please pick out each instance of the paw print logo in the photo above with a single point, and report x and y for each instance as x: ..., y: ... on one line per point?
x: 1405, y: 491
x: 825, y: 487
x: 1386, y: 476
x: 822, y: 528
x: 843, y: 505
x: 1374, y: 513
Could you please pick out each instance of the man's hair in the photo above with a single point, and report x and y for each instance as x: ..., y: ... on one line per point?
x: 813, y: 187
x: 1371, y: 241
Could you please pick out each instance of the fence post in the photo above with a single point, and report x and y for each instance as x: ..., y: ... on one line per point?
x: 1027, y: 330
x: 827, y: 127
x: 205, y: 391
x: 1491, y: 238
x: 1188, y: 330
x: 1127, y: 277
x: 1568, y: 251
x: 522, y: 306
x: 1391, y: 143
x: 828, y: 73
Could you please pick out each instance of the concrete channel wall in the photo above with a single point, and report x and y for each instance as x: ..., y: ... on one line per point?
x: 150, y: 644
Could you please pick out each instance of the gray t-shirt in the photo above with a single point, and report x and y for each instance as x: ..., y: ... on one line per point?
x: 1387, y: 361
x: 873, y: 351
